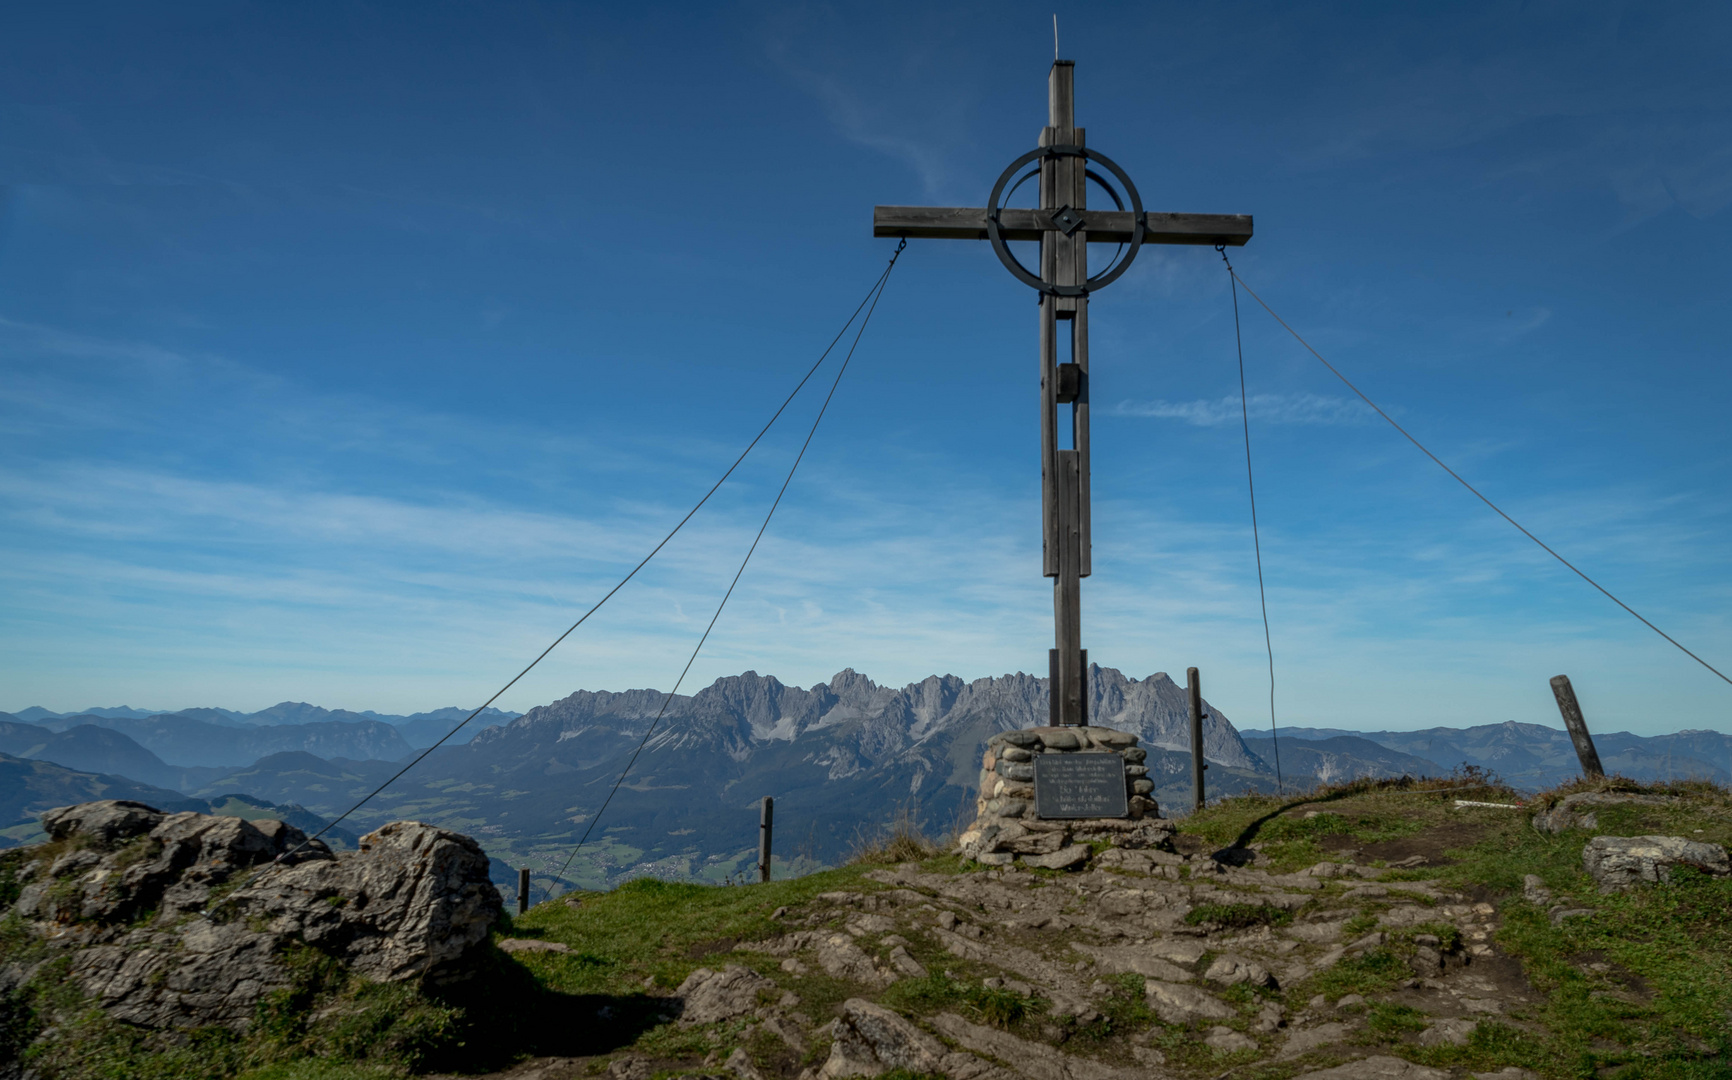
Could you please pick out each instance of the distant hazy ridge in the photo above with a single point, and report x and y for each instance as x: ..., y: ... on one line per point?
x: 838, y: 756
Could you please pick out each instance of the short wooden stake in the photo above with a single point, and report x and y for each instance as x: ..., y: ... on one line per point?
x: 523, y: 890
x: 1567, y: 704
x: 1197, y: 762
x: 766, y: 817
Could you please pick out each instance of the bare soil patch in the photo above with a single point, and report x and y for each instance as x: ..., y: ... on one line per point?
x: 711, y: 948
x: 1498, y: 978
x: 1505, y: 974
x: 1338, y: 842
x: 1429, y: 845
x: 1191, y: 844
x: 1630, y: 986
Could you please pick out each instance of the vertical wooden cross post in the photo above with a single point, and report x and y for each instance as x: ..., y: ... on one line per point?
x: 1577, y: 725
x: 1065, y: 227
x: 766, y: 821
x: 1195, y: 688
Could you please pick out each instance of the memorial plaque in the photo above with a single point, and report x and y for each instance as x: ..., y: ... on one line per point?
x: 1079, y: 786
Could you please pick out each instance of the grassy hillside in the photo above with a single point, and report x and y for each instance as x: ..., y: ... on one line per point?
x: 1638, y: 987
x: 28, y: 787
x: 1575, y: 986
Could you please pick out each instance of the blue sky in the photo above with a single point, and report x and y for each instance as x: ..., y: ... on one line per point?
x: 348, y: 351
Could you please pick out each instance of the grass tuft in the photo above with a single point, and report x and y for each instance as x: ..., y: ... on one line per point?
x: 998, y: 1007
x: 899, y: 840
x: 1237, y: 916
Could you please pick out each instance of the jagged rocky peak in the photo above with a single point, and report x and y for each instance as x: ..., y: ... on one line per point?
x: 738, y: 713
x: 933, y: 697
x: 759, y: 707
x: 580, y: 708
x: 1158, y: 711
x: 857, y: 694
x: 849, y: 684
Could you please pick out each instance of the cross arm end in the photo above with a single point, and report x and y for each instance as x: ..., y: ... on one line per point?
x: 930, y: 222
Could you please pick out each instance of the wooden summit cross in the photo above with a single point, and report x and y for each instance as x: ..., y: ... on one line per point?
x: 1065, y: 227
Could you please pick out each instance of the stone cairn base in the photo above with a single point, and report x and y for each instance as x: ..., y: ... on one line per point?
x: 1005, y: 828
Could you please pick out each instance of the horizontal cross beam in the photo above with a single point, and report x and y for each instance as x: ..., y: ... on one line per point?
x: 1104, y: 226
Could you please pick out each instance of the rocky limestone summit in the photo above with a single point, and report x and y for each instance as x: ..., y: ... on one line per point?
x: 184, y: 920
x: 1061, y: 946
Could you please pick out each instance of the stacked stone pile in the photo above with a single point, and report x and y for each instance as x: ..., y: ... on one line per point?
x: 1007, y: 770
x: 1062, y: 845
x: 1005, y: 828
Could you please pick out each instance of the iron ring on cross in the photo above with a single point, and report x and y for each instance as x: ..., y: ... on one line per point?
x: 1010, y: 261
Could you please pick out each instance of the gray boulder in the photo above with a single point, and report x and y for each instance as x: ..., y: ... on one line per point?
x: 1448, y: 1032
x: 870, y: 1039
x: 410, y: 903
x: 842, y: 959
x: 127, y: 859
x: 1623, y: 862
x: 106, y: 822
x: 713, y: 996
x: 1231, y: 970
x: 1177, y: 1003
x: 1568, y: 813
x: 134, y: 901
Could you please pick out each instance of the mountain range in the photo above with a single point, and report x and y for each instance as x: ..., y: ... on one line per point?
x: 1527, y: 756
x: 218, y: 737
x: 29, y: 787
x: 841, y: 758
x: 283, y: 712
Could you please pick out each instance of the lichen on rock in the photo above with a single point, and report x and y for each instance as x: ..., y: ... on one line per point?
x: 185, y: 921
x: 1624, y: 862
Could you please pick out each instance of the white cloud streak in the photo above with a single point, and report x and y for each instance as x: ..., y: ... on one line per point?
x: 1263, y: 408
x: 148, y: 581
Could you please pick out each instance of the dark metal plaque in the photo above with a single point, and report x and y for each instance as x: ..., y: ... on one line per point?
x: 1079, y: 786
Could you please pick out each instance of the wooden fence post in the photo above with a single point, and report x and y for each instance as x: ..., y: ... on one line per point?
x: 523, y: 890
x: 766, y: 817
x: 1197, y: 762
x: 1566, y: 695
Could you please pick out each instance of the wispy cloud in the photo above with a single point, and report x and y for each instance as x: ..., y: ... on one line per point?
x: 907, y: 113
x: 262, y: 584
x: 1528, y: 322
x: 1265, y: 408
x: 858, y: 124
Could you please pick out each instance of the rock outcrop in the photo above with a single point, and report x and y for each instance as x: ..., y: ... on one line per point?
x: 712, y: 996
x: 189, y: 920
x: 1055, y: 947
x: 1624, y: 862
x: 869, y: 1039
x: 1569, y: 813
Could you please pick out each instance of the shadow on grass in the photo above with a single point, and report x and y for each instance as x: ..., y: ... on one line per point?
x: 508, y: 1015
